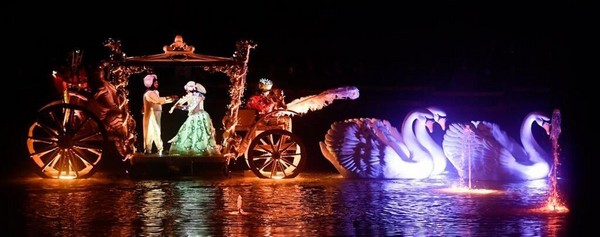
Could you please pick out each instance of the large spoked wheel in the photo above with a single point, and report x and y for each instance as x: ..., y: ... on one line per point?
x: 276, y: 154
x: 66, y: 141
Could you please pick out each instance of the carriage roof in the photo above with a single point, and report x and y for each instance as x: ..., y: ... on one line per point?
x: 186, y: 58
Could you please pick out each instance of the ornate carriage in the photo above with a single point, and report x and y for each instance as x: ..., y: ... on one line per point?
x: 69, y: 140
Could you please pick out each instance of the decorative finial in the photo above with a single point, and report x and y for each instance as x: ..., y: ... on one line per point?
x: 178, y: 46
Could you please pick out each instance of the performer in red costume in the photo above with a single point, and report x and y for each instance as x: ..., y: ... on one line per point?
x: 267, y: 100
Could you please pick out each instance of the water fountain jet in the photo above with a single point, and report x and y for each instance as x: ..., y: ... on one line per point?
x: 554, y: 202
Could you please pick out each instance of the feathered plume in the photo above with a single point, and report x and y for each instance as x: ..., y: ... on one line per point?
x: 317, y: 102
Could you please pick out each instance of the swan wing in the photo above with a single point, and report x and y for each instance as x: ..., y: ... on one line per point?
x: 474, y: 152
x: 513, y: 147
x: 453, y: 145
x: 352, y: 149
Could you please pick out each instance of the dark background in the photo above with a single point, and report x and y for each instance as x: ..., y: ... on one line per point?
x: 478, y: 61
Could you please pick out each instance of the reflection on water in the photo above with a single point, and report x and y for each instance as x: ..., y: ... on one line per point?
x: 309, y: 205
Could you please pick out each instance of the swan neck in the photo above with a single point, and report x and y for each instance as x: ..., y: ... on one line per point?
x: 408, y: 133
x: 425, y: 139
x: 527, y: 139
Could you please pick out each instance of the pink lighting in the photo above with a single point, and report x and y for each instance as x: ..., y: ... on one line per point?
x: 468, y: 190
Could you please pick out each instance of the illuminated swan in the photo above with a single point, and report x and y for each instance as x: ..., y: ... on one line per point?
x: 372, y: 148
x: 435, y: 150
x: 493, y: 154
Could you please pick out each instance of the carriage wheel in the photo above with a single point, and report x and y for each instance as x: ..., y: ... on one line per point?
x: 276, y: 154
x: 66, y: 141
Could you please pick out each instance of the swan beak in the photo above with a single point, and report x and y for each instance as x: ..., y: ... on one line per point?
x: 429, y: 125
x: 442, y: 123
x: 546, y: 127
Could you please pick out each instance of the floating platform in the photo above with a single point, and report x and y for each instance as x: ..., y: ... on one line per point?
x: 155, y: 165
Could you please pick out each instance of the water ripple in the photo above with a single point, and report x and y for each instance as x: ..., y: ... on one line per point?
x: 309, y: 205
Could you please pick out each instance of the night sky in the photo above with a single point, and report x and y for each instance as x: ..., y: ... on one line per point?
x: 306, y: 48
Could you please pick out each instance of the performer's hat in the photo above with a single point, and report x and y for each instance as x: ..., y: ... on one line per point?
x: 200, y: 88
x: 265, y: 84
x: 190, y: 86
x: 149, y: 79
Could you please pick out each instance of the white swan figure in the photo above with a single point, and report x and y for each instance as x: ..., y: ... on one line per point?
x: 435, y: 150
x: 493, y: 154
x: 372, y: 148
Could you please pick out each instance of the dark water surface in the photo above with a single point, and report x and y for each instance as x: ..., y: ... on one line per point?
x: 313, y: 204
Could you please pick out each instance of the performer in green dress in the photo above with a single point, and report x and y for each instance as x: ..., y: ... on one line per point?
x: 196, y: 136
